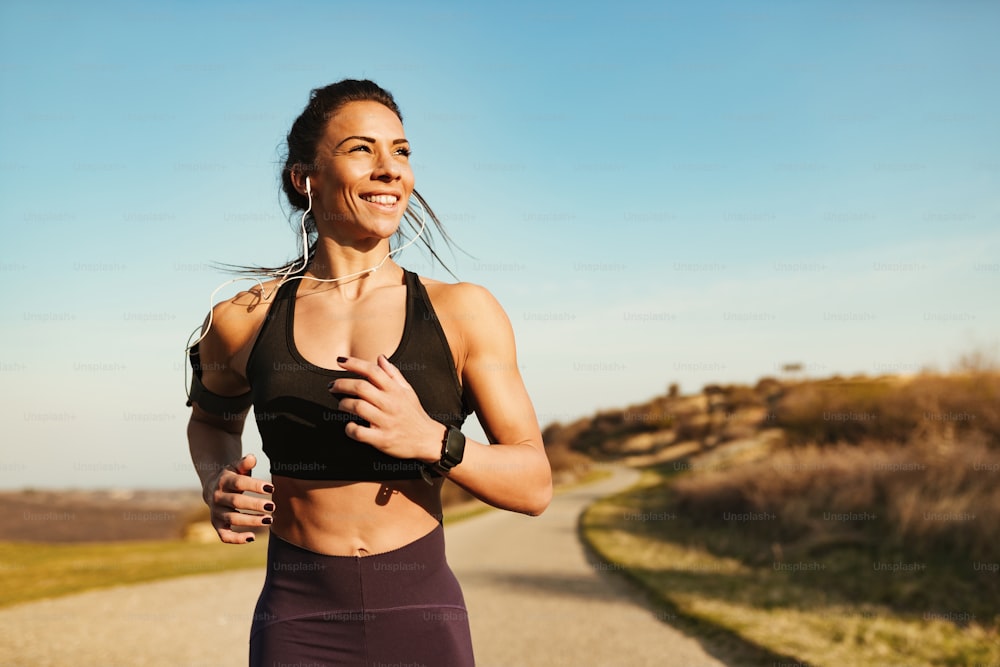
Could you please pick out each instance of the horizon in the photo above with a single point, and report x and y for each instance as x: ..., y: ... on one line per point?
x: 975, y: 365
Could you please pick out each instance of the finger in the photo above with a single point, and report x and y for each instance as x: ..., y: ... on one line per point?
x: 238, y: 501
x: 365, y: 369
x: 230, y: 520
x: 391, y: 371
x: 359, y: 408
x: 233, y: 536
x: 361, y: 433
x: 229, y: 528
x: 245, y: 464
x: 235, y: 483
x: 346, y: 388
x: 231, y: 482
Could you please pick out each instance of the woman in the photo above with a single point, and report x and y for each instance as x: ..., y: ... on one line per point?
x: 360, y: 381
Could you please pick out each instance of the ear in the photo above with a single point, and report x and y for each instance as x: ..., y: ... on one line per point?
x: 299, y: 181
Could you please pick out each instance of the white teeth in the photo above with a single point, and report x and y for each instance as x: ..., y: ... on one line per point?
x: 385, y: 200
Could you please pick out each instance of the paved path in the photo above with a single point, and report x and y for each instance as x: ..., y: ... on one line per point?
x: 535, y: 601
x: 533, y: 598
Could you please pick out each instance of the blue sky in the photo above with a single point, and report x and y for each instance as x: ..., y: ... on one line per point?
x: 656, y: 192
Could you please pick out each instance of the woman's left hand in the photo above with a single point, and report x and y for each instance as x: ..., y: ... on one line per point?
x: 398, y: 424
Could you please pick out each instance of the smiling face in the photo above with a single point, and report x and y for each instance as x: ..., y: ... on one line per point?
x: 364, y: 180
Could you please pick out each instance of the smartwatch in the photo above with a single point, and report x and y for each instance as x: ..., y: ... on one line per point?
x: 452, y: 450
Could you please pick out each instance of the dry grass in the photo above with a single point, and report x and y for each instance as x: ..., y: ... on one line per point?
x: 868, y: 532
x: 890, y: 409
x: 933, y: 497
x: 724, y: 581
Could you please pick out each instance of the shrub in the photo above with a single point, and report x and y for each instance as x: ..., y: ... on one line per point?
x: 930, y: 497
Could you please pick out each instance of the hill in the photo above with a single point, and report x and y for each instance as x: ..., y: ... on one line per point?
x: 836, y: 521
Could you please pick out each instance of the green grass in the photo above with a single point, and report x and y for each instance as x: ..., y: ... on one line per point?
x: 30, y: 571
x: 717, y: 581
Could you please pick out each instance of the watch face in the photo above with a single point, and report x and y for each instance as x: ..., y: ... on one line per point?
x: 454, y: 448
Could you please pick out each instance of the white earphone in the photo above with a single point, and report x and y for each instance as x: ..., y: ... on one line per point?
x: 284, y: 276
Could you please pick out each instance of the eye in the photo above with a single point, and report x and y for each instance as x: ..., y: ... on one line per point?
x: 404, y: 151
x: 361, y: 147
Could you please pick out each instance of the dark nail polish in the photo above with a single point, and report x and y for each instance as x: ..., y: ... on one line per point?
x: 341, y: 360
x: 330, y: 386
x: 268, y: 507
x: 266, y: 520
x: 268, y: 488
x: 250, y: 539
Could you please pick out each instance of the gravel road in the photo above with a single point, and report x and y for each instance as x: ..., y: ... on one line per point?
x: 533, y: 598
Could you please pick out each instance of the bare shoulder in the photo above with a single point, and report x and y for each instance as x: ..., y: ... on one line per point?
x: 235, y: 321
x: 464, y: 302
x: 473, y: 320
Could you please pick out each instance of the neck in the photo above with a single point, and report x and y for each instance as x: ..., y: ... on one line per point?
x: 349, y: 265
x: 335, y: 260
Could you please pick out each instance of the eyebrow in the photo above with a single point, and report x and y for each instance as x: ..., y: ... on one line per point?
x: 370, y: 140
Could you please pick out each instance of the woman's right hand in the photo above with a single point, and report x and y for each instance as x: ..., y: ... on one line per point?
x: 224, y: 494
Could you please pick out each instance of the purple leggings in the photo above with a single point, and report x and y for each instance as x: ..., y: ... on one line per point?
x: 402, y: 607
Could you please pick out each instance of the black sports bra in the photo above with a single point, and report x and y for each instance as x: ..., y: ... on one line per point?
x: 303, y: 434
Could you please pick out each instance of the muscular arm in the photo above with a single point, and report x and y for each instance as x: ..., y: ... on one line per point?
x: 215, y: 440
x: 513, y: 472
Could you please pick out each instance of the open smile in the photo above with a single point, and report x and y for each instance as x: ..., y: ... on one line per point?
x: 382, y: 201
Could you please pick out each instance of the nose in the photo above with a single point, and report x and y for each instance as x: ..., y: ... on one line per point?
x: 386, y: 167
